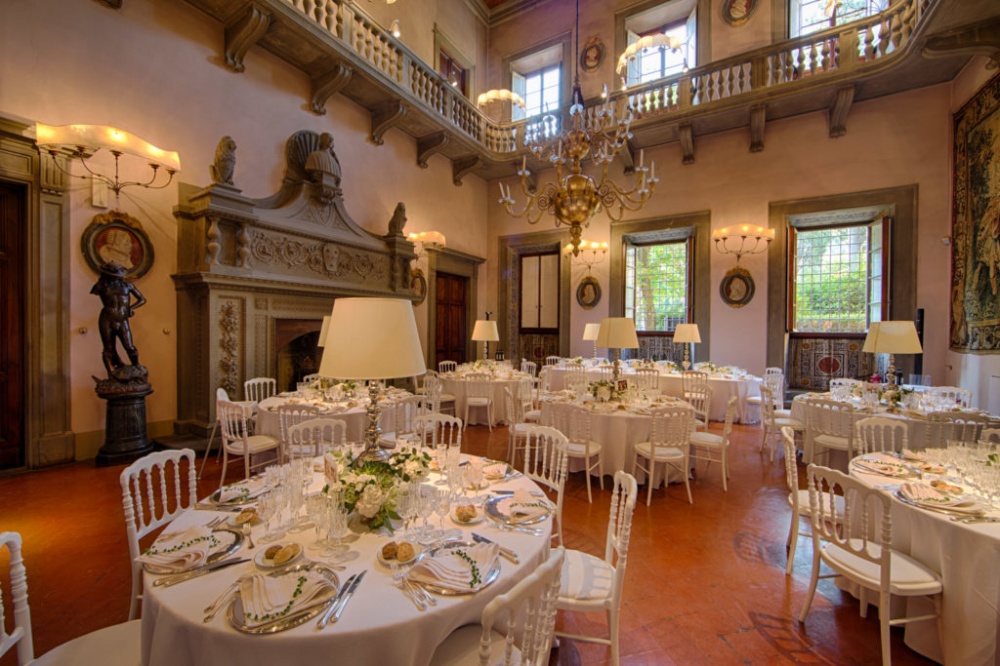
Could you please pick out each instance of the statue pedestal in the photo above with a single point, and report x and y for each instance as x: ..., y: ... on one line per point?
x: 125, y: 437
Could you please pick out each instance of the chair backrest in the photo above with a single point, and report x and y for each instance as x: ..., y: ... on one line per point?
x: 671, y: 427
x: 767, y: 405
x: 546, y: 455
x: 573, y: 420
x: 830, y: 417
x: 647, y: 379
x: 576, y: 382
x: 699, y: 396
x: 951, y: 396
x: 948, y: 426
x: 155, y: 489
x: 776, y: 382
x: 529, y: 367
x: 232, y: 422
x: 311, y: 377
x: 447, y: 366
x: 727, y: 426
x: 544, y: 378
x: 605, y: 373
x: 877, y: 434
x: 553, y: 360
x: 864, y: 528
x: 526, y: 392
x: 526, y: 616
x: 259, y: 388
x: 435, y: 429
x: 478, y: 385
x: 691, y: 377
x: 404, y: 411
x: 290, y: 414
x: 20, y: 633
x: 515, y: 412
x: 314, y: 437
x: 791, y: 470
x: 620, y: 529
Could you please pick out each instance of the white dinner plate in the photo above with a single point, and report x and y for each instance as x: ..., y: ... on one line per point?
x: 478, y: 518
x: 267, y: 563
x: 417, y: 549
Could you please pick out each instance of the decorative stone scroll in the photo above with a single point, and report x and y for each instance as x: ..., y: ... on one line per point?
x: 285, y: 256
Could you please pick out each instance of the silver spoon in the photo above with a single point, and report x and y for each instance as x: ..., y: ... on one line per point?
x: 246, y: 533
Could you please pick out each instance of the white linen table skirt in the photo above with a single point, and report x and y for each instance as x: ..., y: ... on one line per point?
x: 456, y: 387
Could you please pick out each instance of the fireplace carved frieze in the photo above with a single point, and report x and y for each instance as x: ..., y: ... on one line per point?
x: 246, y: 263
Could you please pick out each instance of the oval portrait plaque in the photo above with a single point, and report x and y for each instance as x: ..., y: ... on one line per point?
x: 737, y: 287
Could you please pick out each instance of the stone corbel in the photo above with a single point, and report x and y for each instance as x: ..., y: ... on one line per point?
x: 685, y: 134
x: 244, y: 33
x: 838, y: 111
x: 385, y: 117
x: 979, y: 39
x: 463, y: 166
x: 430, y: 145
x: 327, y: 85
x: 758, y: 119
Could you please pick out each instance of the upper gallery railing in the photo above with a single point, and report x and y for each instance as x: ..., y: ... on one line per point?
x: 861, y: 44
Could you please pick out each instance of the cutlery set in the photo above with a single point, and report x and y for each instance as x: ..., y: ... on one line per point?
x: 420, y: 597
x: 197, y: 572
x: 333, y: 613
x: 971, y: 520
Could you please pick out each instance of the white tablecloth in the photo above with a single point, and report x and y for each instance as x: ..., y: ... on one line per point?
x: 966, y: 557
x: 380, y: 627
x: 353, y: 412
x: 456, y: 387
x: 723, y: 388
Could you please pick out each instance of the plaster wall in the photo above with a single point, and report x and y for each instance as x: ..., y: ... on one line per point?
x: 894, y: 141
x: 154, y: 68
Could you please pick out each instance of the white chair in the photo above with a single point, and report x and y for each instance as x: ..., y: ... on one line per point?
x: 220, y: 395
x: 447, y: 366
x: 526, y: 396
x: 576, y: 382
x: 517, y: 427
x: 573, y: 420
x: 774, y: 379
x: 438, y: 430
x: 859, y: 548
x: 118, y: 645
x: 591, y: 584
x: 529, y: 367
x: 314, y: 437
x: 712, y: 448
x: 436, y: 399
x: 525, y: 616
x: 647, y: 380
x: 951, y: 396
x: 605, y: 373
x: 950, y: 426
x: 155, y: 489
x: 403, y: 410
x: 237, y: 440
x: 771, y: 424
x: 289, y: 415
x: 310, y: 377
x: 699, y: 396
x: 479, y: 394
x: 545, y: 463
x: 691, y: 377
x: 668, y: 445
x: 553, y: 360
x: 259, y: 388
x: 831, y: 424
x: 878, y: 434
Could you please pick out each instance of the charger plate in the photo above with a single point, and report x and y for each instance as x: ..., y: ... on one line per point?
x: 292, y: 620
x: 229, y: 542
x: 444, y: 551
x: 971, y: 513
x: 495, y: 514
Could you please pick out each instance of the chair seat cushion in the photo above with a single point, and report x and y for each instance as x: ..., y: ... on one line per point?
x: 478, y: 402
x: 783, y: 413
x: 909, y: 577
x: 579, y: 449
x: 753, y: 400
x: 534, y: 415
x: 662, y: 452
x: 461, y: 648
x: 706, y: 439
x: 521, y: 429
x: 804, y: 508
x: 118, y: 645
x: 794, y: 424
x: 446, y: 397
x: 585, y: 578
x: 831, y: 442
x: 257, y: 443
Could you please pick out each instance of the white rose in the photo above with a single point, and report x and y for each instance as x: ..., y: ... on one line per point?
x: 370, y: 501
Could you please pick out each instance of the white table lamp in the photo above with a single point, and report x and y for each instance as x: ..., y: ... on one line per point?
x: 617, y: 333
x: 590, y: 332
x: 323, y: 331
x: 686, y: 333
x: 892, y: 337
x: 485, y: 331
x: 372, y: 339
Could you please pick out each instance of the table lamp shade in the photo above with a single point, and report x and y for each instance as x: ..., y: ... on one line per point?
x: 485, y: 330
x: 323, y: 331
x: 892, y: 337
x: 372, y: 338
x: 617, y: 333
x: 687, y: 333
x: 591, y: 331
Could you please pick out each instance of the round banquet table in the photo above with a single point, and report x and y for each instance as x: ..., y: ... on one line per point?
x: 352, y: 412
x: 380, y: 626
x: 723, y: 388
x: 966, y: 558
x: 455, y: 385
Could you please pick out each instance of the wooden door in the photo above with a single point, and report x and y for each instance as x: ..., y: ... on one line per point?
x: 12, y: 276
x: 450, y: 334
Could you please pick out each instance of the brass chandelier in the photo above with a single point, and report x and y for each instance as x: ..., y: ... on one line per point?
x: 574, y: 197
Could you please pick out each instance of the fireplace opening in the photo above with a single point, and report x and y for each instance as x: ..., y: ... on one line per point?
x: 299, y: 352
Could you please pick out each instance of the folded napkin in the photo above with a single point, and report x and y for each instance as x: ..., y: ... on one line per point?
x: 931, y: 497
x: 449, y: 569
x: 274, y: 402
x: 914, y: 455
x: 267, y: 598
x: 876, y: 466
x: 495, y: 470
x: 243, y: 490
x: 522, y: 506
x: 181, y: 551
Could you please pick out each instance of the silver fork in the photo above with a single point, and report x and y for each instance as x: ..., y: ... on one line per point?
x: 504, y: 527
x: 246, y: 533
x: 399, y: 580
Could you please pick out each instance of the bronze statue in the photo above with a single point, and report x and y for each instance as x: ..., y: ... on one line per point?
x: 116, y: 294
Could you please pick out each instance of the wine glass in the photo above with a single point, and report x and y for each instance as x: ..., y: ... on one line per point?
x: 407, y: 497
x: 315, y: 507
x: 442, y: 506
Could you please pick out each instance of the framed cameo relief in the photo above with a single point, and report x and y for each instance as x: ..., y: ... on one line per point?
x: 592, y: 55
x: 116, y: 237
x: 588, y: 293
x: 737, y: 287
x: 738, y: 12
x: 418, y: 283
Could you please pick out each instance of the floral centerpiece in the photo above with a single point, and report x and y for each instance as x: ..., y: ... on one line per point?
x: 669, y: 365
x: 706, y: 366
x: 370, y: 490
x: 894, y: 396
x: 577, y: 361
x: 604, y: 391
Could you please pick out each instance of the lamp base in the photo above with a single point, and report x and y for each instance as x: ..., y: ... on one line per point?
x: 373, y: 434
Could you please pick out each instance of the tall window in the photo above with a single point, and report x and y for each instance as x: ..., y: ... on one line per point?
x: 540, y: 293
x: 456, y: 75
x: 678, y: 19
x: 540, y: 89
x: 657, y: 284
x: 837, y: 282
x: 809, y: 16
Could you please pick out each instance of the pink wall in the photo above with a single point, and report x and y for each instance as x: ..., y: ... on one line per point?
x: 154, y: 69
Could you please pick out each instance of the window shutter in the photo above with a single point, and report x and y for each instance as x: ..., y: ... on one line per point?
x: 517, y: 85
x: 633, y: 73
x: 692, y: 39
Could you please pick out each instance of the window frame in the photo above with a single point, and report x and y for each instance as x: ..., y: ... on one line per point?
x: 703, y: 26
x: 539, y: 330
x: 443, y: 44
x: 524, y: 61
x: 794, y: 9
x: 687, y: 239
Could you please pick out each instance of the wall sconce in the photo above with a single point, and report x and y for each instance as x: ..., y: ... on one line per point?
x: 394, y: 29
x: 82, y: 141
x: 741, y: 240
x: 590, y: 253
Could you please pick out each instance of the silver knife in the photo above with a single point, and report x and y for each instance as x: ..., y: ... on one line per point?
x: 347, y: 596
x: 506, y: 552
x: 174, y: 579
x: 325, y: 618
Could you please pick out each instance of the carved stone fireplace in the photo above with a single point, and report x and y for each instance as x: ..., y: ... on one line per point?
x: 256, y: 276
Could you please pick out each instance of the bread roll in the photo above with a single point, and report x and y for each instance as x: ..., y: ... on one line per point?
x: 288, y: 553
x: 405, y: 552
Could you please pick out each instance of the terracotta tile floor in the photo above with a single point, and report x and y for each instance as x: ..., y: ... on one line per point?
x: 705, y: 583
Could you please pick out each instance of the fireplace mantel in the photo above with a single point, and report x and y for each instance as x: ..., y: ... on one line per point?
x: 245, y: 263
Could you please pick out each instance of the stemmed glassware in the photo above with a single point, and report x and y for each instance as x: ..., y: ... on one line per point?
x: 407, y: 503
